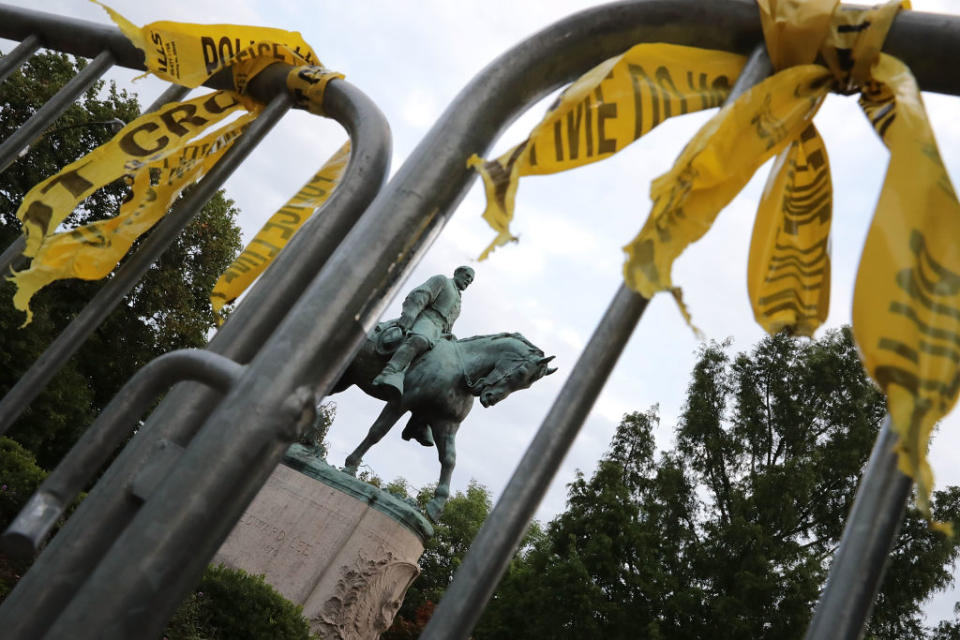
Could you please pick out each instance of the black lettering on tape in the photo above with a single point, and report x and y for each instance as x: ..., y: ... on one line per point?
x: 293, y: 213
x: 72, y: 181
x: 272, y: 248
x: 212, y: 104
x: 39, y: 214
x: 573, y: 131
x: 224, y: 49
x: 175, y: 125
x: 605, y: 111
x: 285, y: 231
x: 588, y: 116
x: 131, y: 147
x: 640, y: 79
x: 210, y: 59
x: 669, y: 90
x: 558, y: 140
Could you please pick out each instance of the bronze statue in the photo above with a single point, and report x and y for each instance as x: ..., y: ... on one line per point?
x: 429, y: 311
x: 438, y: 387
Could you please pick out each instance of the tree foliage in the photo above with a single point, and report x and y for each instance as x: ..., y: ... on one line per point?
x: 463, y: 515
x: 729, y: 533
x: 169, y: 309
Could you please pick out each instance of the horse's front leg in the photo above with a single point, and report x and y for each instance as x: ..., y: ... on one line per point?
x: 445, y: 437
x: 387, y: 418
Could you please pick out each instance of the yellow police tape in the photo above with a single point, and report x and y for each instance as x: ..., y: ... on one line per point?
x: 278, y: 230
x: 188, y: 54
x: 92, y: 251
x: 162, y: 141
x: 906, y: 315
x: 609, y: 107
x: 159, y: 137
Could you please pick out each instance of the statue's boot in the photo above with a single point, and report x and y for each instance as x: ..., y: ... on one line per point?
x: 390, y: 380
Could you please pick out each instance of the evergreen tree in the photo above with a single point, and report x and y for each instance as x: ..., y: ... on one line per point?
x: 169, y: 309
x: 730, y: 533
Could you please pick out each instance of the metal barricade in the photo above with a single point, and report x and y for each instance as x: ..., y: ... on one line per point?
x: 138, y: 543
x: 267, y: 301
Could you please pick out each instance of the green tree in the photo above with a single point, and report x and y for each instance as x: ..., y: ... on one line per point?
x: 314, y: 437
x: 729, y: 534
x: 462, y: 518
x: 169, y: 308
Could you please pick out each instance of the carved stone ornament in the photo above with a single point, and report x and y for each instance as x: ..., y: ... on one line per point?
x: 367, y: 597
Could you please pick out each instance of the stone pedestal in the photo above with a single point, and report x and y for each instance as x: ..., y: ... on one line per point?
x: 344, y: 549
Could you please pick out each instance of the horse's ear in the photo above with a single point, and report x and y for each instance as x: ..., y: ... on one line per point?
x: 550, y: 370
x: 545, y: 360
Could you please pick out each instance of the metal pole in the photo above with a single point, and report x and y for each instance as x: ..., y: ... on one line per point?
x: 109, y: 296
x: 498, y: 538
x: 487, y: 559
x: 11, y: 253
x: 173, y: 93
x: 53, y: 108
x: 12, y: 61
x: 861, y: 559
x: 27, y: 532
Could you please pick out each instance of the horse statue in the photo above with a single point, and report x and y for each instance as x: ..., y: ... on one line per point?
x: 439, y: 388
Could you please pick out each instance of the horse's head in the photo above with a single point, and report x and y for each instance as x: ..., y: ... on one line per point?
x: 512, y: 374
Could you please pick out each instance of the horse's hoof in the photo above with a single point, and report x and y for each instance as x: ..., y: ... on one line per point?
x: 350, y: 470
x: 434, y: 510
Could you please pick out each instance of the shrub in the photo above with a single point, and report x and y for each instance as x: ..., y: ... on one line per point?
x: 19, y: 478
x: 230, y: 604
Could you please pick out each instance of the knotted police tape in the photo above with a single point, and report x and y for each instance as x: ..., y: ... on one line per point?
x: 906, y: 315
x: 161, y: 153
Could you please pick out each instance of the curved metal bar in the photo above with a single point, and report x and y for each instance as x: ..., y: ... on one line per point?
x: 491, y: 550
x: 12, y: 61
x: 35, y: 521
x: 67, y: 561
x: 272, y: 296
x: 78, y: 37
x: 928, y: 43
x: 13, y: 251
x: 112, y: 292
x: 498, y: 538
x: 53, y: 108
x: 864, y: 551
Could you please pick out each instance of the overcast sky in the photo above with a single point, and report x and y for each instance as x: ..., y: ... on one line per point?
x: 412, y: 58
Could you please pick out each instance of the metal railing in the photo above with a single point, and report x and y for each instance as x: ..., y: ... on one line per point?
x: 138, y: 543
x: 246, y: 329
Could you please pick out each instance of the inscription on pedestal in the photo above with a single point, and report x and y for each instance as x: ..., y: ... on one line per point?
x: 346, y: 553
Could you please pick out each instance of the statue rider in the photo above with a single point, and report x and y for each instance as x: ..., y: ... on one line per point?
x: 429, y: 311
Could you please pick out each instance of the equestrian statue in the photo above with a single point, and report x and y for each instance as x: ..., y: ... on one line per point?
x: 416, y: 365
